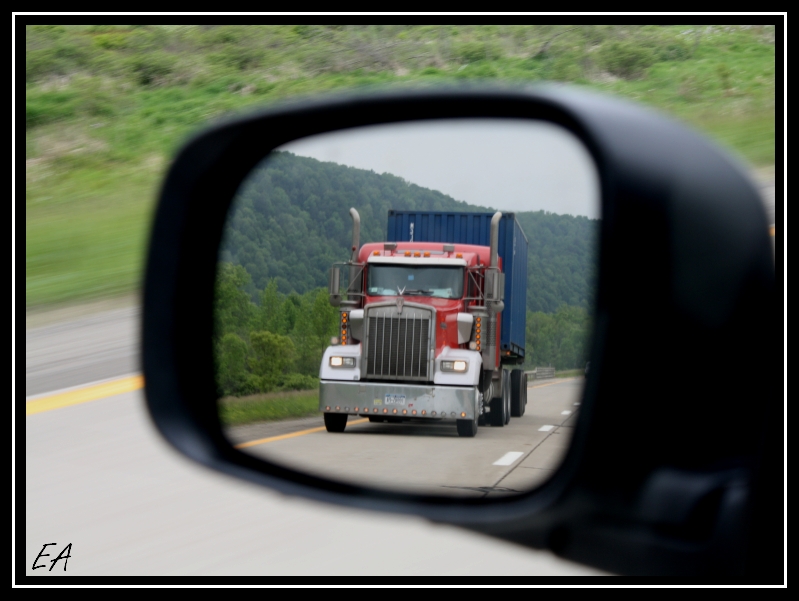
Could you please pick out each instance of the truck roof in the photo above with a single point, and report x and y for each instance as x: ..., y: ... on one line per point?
x: 470, y: 254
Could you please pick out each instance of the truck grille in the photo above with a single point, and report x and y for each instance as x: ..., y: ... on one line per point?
x: 398, y: 346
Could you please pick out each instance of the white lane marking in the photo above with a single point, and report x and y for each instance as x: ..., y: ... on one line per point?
x: 565, y: 412
x: 546, y: 428
x: 508, y: 458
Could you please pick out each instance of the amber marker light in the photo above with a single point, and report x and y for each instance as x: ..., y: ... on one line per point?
x: 407, y: 253
x: 394, y: 411
x: 427, y: 253
x: 404, y: 412
x: 414, y: 411
x: 424, y: 412
x: 463, y: 414
x: 417, y: 254
x: 385, y: 410
x: 376, y: 253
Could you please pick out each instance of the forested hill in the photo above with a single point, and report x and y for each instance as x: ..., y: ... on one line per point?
x: 291, y: 222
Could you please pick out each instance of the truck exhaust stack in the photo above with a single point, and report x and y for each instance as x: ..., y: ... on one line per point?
x: 494, y: 237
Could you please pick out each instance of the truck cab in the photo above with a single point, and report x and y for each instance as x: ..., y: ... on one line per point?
x: 419, y: 336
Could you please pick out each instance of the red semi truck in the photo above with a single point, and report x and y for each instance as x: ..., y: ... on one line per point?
x: 420, y: 325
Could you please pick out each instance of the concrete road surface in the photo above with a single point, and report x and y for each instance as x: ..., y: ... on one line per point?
x: 430, y: 458
x: 99, y: 477
x: 80, y: 349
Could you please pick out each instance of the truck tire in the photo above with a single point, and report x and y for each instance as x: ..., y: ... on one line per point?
x: 524, y: 393
x: 500, y: 405
x: 335, y: 422
x: 467, y: 428
x: 518, y: 392
x: 506, y: 393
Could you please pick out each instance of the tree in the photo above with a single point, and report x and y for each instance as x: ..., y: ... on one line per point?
x: 272, y: 355
x: 233, y: 309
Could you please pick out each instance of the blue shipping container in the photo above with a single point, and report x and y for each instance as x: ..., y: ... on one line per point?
x: 475, y: 228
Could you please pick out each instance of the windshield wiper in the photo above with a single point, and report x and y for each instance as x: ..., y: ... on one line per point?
x: 419, y: 292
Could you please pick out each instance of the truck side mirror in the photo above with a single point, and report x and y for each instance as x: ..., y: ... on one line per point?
x: 495, y: 286
x: 333, y: 286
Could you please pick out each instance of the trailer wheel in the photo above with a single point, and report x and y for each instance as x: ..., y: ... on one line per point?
x: 518, y: 392
x: 335, y: 422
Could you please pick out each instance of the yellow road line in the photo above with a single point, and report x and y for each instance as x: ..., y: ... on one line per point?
x: 252, y: 443
x: 771, y: 230
x: 84, y: 395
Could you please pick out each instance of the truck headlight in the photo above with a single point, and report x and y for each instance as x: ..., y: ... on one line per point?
x: 454, y: 365
x: 342, y: 361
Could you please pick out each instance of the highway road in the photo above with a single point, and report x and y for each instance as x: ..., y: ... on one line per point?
x: 98, y: 476
x: 430, y: 458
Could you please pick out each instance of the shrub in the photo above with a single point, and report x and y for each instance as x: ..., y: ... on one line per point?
x: 625, y: 59
x: 152, y: 68
x: 46, y: 107
x: 471, y: 52
x: 298, y: 382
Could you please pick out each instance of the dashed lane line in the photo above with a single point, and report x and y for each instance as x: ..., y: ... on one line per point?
x: 508, y: 458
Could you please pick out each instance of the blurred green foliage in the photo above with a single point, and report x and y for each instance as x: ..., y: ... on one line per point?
x: 106, y: 104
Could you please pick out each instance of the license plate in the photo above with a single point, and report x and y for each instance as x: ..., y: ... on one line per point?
x: 395, y: 399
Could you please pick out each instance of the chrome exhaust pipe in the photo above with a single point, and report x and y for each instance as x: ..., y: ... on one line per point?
x: 356, y: 234
x: 356, y: 240
x: 495, y: 237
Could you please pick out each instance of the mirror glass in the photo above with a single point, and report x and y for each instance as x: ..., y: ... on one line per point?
x: 408, y: 306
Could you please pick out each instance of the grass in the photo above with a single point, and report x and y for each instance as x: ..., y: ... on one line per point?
x: 569, y: 373
x: 86, y: 230
x: 268, y: 407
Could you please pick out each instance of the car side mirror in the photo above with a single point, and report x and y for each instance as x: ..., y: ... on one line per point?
x: 676, y: 462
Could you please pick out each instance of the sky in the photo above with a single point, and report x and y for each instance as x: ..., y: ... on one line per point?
x: 504, y: 164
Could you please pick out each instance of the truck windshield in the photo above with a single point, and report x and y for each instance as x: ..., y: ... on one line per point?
x: 406, y: 280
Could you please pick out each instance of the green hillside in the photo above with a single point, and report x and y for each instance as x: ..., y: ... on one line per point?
x: 291, y: 222
x: 106, y: 106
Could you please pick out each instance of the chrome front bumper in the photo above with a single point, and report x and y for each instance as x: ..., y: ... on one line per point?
x: 398, y: 400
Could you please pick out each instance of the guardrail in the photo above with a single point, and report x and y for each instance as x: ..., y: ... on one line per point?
x: 541, y: 373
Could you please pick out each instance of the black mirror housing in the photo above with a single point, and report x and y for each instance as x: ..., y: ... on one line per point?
x: 686, y: 278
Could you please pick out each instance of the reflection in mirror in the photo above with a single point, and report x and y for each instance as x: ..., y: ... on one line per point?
x: 408, y: 306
